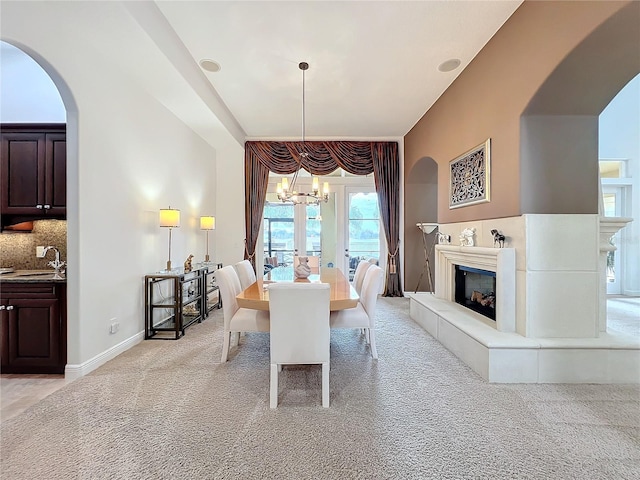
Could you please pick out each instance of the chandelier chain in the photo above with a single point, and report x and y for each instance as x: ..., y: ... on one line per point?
x: 286, y: 192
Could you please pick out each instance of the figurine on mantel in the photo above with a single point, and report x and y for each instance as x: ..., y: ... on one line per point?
x: 187, y: 264
x: 443, y: 239
x: 498, y: 238
x: 302, y: 270
x: 466, y: 237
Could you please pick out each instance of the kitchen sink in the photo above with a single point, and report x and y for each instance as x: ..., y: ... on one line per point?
x: 27, y: 274
x: 31, y: 273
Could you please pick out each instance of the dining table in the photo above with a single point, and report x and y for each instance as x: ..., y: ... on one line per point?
x: 343, y: 295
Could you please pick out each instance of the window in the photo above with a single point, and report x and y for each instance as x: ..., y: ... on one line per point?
x: 364, y: 229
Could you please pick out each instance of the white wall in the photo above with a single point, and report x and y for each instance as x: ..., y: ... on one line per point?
x: 619, y: 138
x: 230, y: 231
x: 128, y: 156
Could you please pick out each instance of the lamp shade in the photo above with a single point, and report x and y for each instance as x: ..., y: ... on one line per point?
x: 427, y: 227
x: 169, y: 217
x: 207, y: 223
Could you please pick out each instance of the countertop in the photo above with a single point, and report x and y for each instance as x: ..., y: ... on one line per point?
x: 31, y: 276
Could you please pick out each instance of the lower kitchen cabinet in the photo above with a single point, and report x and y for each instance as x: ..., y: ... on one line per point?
x: 33, y: 336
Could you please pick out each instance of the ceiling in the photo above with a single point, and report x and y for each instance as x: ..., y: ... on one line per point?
x: 373, y: 64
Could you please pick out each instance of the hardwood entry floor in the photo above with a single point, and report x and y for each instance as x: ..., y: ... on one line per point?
x: 19, y: 392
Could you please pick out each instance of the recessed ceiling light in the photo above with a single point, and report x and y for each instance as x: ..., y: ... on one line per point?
x: 210, y: 65
x: 449, y: 65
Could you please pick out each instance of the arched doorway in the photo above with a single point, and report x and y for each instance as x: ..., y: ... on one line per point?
x: 560, y: 145
x: 68, y: 109
x: 421, y: 205
x: 619, y: 155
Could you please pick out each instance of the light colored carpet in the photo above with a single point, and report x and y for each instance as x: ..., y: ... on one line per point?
x: 170, y: 410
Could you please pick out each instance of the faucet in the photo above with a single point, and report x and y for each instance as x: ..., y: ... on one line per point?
x: 55, y: 264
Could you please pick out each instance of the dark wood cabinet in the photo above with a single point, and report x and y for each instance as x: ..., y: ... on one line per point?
x: 55, y: 198
x: 33, y: 172
x: 33, y: 331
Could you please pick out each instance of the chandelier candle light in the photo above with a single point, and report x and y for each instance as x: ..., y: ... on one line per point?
x: 207, y: 223
x: 288, y: 193
x: 169, y: 218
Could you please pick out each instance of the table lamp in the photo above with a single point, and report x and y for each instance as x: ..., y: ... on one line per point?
x: 169, y: 218
x: 207, y: 223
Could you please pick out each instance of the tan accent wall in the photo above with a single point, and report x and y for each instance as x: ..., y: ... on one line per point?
x: 490, y: 95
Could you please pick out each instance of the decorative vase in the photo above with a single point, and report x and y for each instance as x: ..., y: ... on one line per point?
x: 303, y: 270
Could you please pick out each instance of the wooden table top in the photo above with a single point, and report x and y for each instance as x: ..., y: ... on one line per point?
x: 343, y: 295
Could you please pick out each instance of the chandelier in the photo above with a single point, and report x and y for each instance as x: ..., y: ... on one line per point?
x: 287, y: 193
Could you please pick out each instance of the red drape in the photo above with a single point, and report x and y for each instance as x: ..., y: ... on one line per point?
x: 358, y: 158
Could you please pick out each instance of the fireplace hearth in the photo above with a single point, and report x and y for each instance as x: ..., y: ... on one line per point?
x: 549, y: 286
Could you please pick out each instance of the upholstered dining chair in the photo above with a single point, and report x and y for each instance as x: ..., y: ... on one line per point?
x: 363, y: 315
x: 236, y: 319
x: 358, y: 276
x: 299, y: 330
x: 246, y: 273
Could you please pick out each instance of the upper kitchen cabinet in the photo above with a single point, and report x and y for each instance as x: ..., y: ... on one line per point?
x: 33, y: 161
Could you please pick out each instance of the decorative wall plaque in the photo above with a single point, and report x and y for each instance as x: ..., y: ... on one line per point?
x: 469, y: 176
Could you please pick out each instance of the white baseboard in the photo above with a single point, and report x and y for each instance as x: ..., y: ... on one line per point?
x: 73, y: 372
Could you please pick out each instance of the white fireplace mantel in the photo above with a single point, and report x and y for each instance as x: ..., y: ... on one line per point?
x: 502, y: 261
x: 546, y: 328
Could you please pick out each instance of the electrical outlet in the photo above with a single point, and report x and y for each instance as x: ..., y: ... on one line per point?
x: 40, y: 251
x: 114, y: 327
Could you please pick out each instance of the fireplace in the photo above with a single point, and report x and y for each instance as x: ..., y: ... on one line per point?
x: 476, y: 289
x: 548, y: 285
x: 498, y: 264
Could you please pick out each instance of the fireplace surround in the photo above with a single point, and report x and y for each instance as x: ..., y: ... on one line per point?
x: 548, y: 326
x: 501, y: 261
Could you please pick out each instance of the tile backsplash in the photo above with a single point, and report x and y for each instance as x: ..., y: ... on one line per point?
x: 18, y: 249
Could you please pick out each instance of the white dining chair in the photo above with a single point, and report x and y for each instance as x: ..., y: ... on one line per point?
x: 236, y: 319
x: 299, y: 330
x: 363, y: 315
x: 375, y: 261
x: 246, y: 273
x: 358, y: 276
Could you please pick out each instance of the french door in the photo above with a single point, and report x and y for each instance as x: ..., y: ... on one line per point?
x: 364, y: 238
x: 289, y: 230
x: 342, y: 231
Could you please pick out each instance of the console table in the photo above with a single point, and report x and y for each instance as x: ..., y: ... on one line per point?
x: 175, y: 300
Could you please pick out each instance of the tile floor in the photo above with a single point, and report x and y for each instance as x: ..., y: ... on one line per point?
x: 19, y: 392
x: 623, y: 315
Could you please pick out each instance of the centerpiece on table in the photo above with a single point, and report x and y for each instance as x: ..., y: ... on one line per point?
x: 302, y: 270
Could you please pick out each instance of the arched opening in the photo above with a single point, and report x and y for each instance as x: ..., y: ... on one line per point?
x: 619, y: 159
x: 561, y: 142
x: 40, y: 95
x: 559, y: 127
x: 421, y: 206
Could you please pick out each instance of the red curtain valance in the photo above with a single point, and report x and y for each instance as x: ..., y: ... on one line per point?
x: 358, y: 158
x: 324, y: 157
